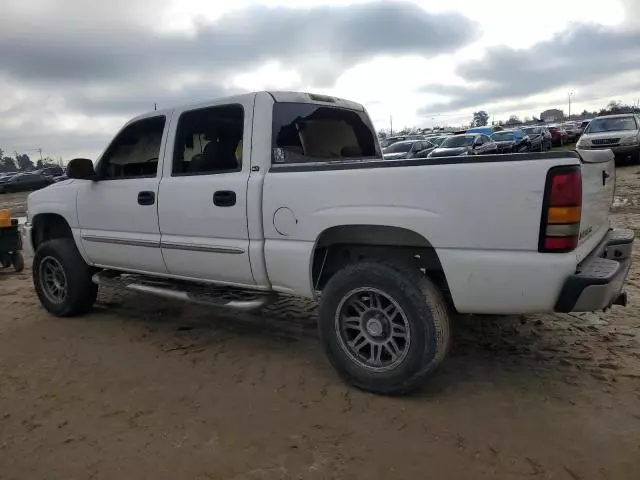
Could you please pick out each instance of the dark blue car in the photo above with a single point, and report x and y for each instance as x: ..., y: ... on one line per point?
x: 512, y: 141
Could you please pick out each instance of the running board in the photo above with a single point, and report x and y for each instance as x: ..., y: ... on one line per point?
x: 222, y: 297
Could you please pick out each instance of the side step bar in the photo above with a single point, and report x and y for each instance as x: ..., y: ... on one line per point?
x: 221, y: 297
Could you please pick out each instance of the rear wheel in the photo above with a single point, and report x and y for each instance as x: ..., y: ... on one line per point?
x: 62, y: 279
x: 384, y: 327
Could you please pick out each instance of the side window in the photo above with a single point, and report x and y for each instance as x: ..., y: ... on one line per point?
x: 306, y: 132
x: 485, y: 139
x: 417, y: 147
x: 209, y: 141
x: 134, y: 152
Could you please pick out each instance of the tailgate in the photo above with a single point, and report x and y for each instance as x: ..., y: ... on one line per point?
x: 598, y: 185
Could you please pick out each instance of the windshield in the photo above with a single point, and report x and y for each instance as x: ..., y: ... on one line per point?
x: 400, y: 147
x: 437, y: 141
x: 531, y: 130
x: 458, y: 141
x: 503, y: 136
x: 611, y: 124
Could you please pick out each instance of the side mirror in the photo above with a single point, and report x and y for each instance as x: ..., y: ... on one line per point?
x: 81, y: 169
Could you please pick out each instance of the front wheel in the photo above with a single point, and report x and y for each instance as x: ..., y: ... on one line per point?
x: 384, y: 327
x: 62, y: 279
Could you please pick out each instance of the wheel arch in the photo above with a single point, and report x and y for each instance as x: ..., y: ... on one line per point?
x: 340, y: 245
x: 47, y: 226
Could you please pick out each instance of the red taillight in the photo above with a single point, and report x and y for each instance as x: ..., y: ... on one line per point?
x: 566, y: 188
x: 564, y: 244
x: 561, y: 210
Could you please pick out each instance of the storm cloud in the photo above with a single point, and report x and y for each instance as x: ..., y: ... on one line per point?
x: 77, y: 69
x: 582, y: 55
x: 322, y: 41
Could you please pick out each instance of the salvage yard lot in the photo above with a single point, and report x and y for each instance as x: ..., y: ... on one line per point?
x: 148, y: 388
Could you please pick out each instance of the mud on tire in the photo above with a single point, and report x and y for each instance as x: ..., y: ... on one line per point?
x: 384, y: 327
x: 62, y: 279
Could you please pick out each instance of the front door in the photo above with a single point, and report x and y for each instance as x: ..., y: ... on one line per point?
x: 203, y: 195
x: 118, y: 213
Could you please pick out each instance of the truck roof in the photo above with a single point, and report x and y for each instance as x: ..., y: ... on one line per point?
x: 277, y: 95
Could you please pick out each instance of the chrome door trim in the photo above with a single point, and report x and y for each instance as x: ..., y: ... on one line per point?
x: 122, y: 241
x: 201, y: 248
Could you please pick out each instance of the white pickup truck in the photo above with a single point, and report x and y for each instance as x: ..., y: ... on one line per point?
x: 231, y: 201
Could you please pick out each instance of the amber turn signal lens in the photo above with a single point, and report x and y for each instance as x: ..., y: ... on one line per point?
x: 563, y: 215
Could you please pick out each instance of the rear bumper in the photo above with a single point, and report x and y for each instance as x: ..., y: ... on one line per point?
x: 598, y: 281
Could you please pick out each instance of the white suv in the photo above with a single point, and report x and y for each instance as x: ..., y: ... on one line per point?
x: 620, y: 133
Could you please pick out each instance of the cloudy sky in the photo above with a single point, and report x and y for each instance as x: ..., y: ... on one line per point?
x: 72, y: 71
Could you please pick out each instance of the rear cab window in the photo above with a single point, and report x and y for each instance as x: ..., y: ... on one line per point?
x: 307, y: 132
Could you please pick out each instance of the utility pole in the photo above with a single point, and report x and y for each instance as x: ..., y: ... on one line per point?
x: 569, y: 95
x: 391, y: 123
x: 155, y: 106
x: 40, y: 152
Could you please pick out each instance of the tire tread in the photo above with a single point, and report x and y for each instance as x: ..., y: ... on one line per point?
x: 83, y: 292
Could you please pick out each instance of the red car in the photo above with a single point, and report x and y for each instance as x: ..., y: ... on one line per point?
x: 559, y: 135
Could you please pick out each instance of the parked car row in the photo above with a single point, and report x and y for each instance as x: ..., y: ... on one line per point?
x: 476, y: 141
x: 24, y: 181
x: 32, y: 180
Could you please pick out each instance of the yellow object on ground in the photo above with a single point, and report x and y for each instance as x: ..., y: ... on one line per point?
x: 5, y: 218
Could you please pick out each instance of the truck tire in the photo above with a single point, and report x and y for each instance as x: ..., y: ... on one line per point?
x: 384, y: 327
x: 62, y: 279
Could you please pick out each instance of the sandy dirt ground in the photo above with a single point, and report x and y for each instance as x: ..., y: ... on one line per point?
x: 147, y: 388
x: 16, y: 202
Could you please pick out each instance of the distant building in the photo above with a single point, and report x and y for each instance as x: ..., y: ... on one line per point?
x: 552, y: 115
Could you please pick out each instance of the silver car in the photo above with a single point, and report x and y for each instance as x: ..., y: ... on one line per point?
x: 620, y: 133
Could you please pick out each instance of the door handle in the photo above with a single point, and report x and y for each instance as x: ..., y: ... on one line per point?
x: 224, y: 198
x: 146, y: 198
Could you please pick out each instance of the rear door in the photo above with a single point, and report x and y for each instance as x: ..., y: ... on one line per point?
x: 598, y: 185
x: 202, y: 206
